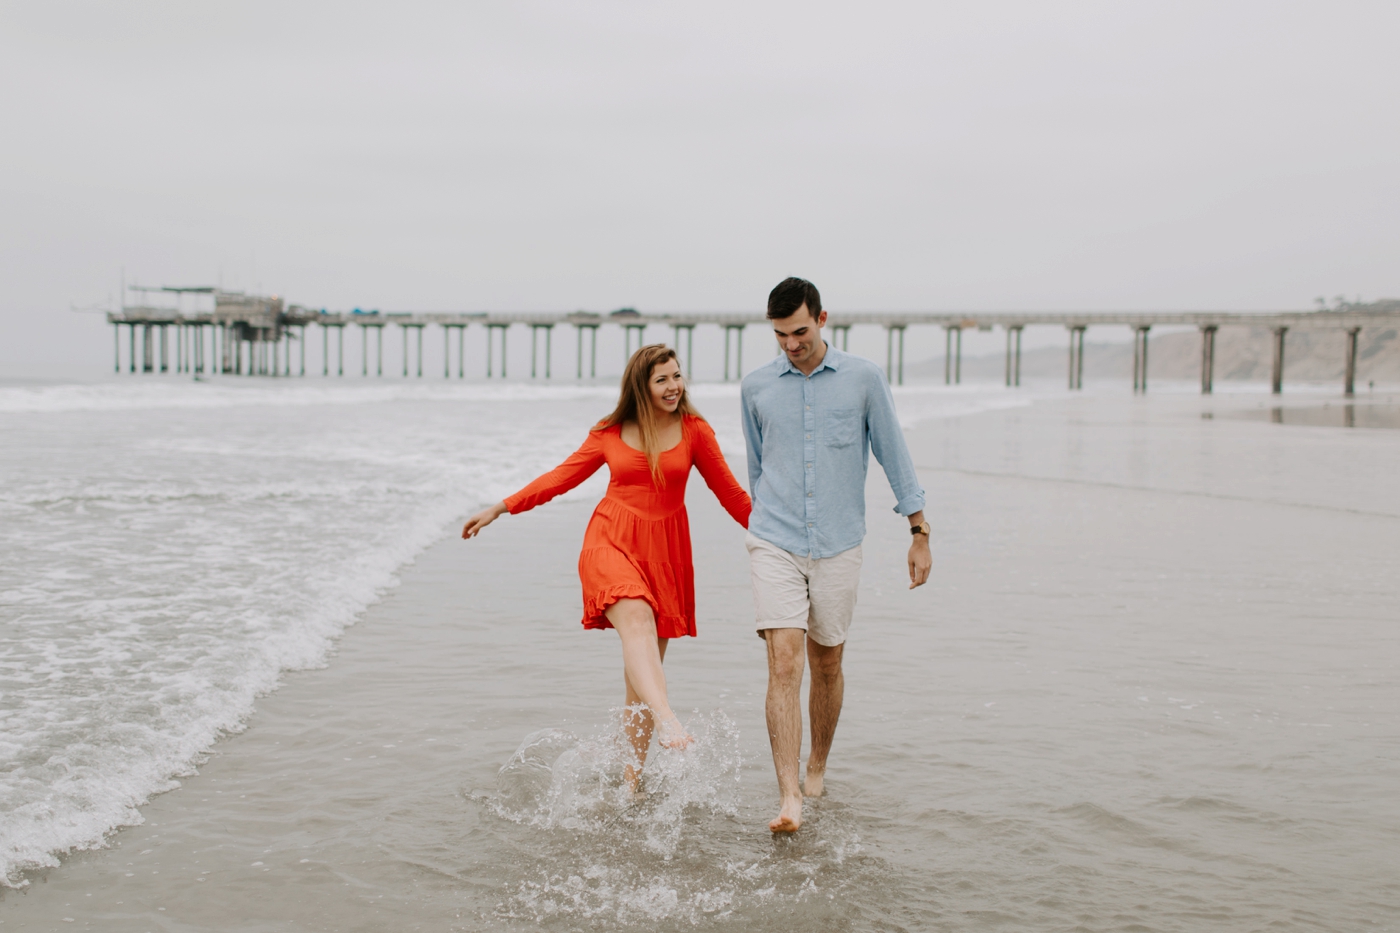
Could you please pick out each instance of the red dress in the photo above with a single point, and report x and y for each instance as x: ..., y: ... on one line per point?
x: 638, y: 542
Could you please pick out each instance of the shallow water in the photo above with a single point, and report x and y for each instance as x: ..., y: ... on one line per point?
x: 1152, y: 685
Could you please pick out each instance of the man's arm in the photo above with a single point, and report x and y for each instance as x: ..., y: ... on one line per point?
x: 753, y: 440
x: 887, y: 443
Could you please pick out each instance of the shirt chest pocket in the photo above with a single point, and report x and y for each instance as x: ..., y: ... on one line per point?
x: 842, y: 427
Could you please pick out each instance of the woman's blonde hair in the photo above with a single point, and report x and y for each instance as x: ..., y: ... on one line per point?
x: 634, y: 402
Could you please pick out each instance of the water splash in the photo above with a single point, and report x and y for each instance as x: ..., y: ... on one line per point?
x: 557, y: 780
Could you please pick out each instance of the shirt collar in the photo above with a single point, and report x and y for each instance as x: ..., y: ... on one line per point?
x: 832, y: 361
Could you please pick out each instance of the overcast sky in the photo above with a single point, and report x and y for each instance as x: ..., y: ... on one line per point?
x: 473, y: 156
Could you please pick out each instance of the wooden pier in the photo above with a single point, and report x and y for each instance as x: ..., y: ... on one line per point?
x: 252, y: 335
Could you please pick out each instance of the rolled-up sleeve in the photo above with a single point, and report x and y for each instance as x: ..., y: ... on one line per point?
x: 887, y: 443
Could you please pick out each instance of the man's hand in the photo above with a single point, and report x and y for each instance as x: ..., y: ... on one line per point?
x: 920, y: 561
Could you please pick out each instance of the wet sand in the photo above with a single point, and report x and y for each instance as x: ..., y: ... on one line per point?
x: 1152, y: 685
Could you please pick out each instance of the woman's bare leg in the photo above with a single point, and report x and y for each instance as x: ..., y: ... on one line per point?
x: 641, y: 666
x: 638, y: 724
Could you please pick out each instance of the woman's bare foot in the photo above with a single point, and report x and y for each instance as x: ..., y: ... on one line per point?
x: 812, y: 786
x: 789, y: 818
x: 671, y: 734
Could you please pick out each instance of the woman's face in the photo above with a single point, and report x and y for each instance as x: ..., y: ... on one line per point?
x: 666, y: 386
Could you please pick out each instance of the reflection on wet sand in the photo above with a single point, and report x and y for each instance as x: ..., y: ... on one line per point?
x: 1346, y: 415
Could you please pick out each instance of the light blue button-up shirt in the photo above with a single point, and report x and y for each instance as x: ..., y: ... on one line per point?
x: 809, y: 440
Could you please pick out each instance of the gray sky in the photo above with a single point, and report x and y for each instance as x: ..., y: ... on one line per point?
x: 672, y: 157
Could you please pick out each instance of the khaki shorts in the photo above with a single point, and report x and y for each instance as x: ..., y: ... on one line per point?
x: 817, y: 595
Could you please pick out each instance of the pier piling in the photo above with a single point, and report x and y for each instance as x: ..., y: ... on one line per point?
x: 1076, y: 356
x: 1208, y: 359
x: 1013, y: 355
x: 894, y: 369
x: 689, y: 343
x: 952, y: 354
x: 1349, y: 385
x: 592, y: 348
x: 628, y: 330
x: 1279, y: 333
x: 1140, y: 358
x: 548, y: 350
x: 491, y: 329
x: 841, y: 335
x: 738, y: 331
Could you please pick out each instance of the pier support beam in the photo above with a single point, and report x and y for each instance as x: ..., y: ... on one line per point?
x: 1278, y: 360
x: 490, y: 343
x: 841, y: 336
x: 1349, y: 386
x: 738, y: 330
x: 593, y: 348
x: 689, y: 343
x: 894, y: 368
x: 548, y: 348
x: 627, y: 331
x: 1076, y: 356
x: 952, y: 355
x: 1013, y: 355
x: 1208, y: 358
x: 447, y: 330
x: 1140, y: 358
x: 365, y: 328
x: 405, y: 328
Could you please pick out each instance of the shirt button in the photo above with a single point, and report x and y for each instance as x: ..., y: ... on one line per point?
x: 809, y: 437
x: 809, y: 524
x: 809, y: 495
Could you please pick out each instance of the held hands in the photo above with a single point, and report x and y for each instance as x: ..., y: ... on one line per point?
x: 483, y: 518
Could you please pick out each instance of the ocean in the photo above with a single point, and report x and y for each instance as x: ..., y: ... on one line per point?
x: 1153, y: 684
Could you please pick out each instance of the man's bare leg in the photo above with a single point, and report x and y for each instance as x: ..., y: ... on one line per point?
x: 638, y: 723
x: 824, y: 709
x: 784, y: 710
x: 641, y: 667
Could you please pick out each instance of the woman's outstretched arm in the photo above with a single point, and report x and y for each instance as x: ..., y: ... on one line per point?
x: 709, y: 460
x: 581, y: 464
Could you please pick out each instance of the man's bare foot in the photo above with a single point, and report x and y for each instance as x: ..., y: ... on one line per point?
x: 789, y: 818
x: 671, y: 734
x: 812, y: 786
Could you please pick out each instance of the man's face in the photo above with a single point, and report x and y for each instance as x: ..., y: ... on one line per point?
x: 800, y: 335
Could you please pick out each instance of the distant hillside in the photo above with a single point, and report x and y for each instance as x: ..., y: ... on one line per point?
x: 1241, y: 353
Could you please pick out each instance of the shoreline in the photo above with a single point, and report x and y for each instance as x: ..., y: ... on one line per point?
x: 353, y: 799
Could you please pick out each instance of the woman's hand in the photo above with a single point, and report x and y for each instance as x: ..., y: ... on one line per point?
x: 483, y: 518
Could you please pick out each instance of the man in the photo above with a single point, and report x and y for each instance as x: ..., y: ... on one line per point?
x: 811, y: 418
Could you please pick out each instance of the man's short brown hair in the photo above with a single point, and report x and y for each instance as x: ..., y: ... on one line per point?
x: 789, y: 295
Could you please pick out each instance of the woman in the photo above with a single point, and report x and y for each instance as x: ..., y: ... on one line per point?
x: 635, y: 566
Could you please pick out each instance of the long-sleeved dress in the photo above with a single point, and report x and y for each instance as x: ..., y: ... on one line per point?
x: 637, y: 545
